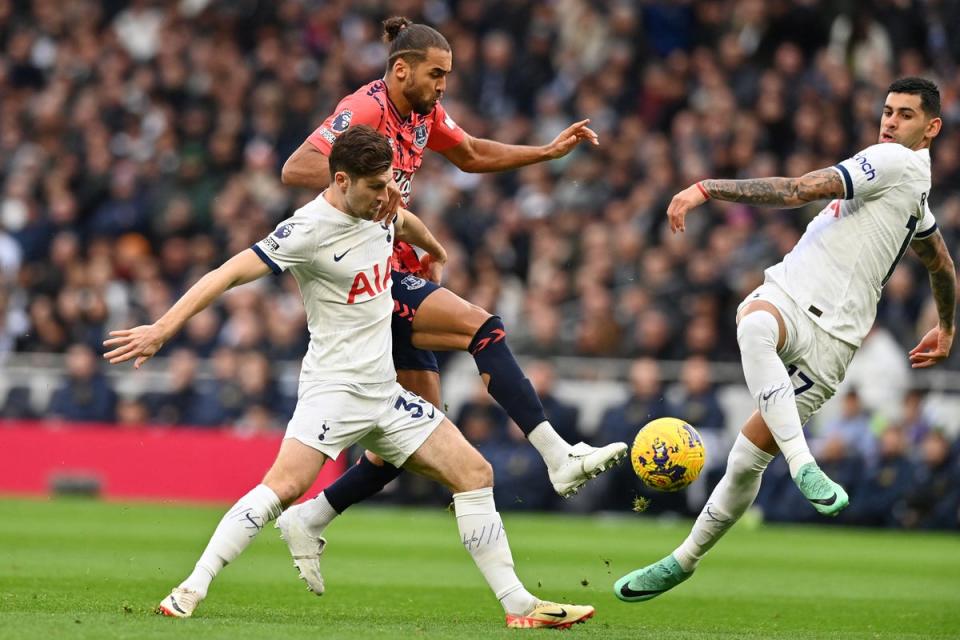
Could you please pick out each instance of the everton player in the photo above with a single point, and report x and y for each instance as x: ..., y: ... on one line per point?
x: 405, y: 106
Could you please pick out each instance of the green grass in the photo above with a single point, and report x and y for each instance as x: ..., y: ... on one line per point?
x: 78, y: 569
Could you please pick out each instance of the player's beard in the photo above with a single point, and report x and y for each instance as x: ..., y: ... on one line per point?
x: 419, y: 104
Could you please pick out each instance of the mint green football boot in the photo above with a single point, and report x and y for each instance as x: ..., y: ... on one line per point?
x: 824, y: 494
x: 649, y: 582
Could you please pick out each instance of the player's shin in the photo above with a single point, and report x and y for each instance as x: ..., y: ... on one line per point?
x: 236, y: 531
x: 513, y: 391
x: 482, y: 534
x: 770, y: 385
x: 731, y: 498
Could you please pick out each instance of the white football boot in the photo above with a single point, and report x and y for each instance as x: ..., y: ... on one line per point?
x: 305, y: 548
x: 180, y: 603
x: 584, y: 463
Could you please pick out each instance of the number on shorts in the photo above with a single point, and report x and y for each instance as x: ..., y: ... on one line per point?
x: 415, y: 408
x: 804, y: 378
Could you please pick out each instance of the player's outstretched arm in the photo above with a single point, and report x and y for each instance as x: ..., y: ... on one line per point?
x: 479, y: 155
x: 411, y: 229
x: 936, y: 344
x: 786, y: 193
x: 144, y: 341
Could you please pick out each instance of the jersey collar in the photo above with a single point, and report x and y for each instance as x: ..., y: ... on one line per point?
x: 393, y: 107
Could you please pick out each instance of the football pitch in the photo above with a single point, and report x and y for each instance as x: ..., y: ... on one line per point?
x: 87, y: 569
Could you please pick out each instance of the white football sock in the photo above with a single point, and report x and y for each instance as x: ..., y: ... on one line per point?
x: 481, y: 531
x: 236, y: 530
x: 551, y: 446
x: 316, y: 514
x: 770, y: 385
x: 731, y: 498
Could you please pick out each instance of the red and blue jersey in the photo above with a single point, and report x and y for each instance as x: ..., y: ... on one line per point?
x: 409, y: 137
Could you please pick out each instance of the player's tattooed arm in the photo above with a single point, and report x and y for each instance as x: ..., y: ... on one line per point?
x: 935, y: 256
x: 772, y: 192
x: 935, y: 345
x: 823, y: 184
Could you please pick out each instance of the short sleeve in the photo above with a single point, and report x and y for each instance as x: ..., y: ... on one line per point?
x: 293, y: 242
x: 445, y: 133
x: 872, y: 171
x: 927, y: 224
x: 354, y: 109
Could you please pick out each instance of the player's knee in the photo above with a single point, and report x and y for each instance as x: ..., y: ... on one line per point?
x: 476, y: 317
x: 756, y: 331
x: 288, y: 488
x: 478, y: 474
x: 490, y: 332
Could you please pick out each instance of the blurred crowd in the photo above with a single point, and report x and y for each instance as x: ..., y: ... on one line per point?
x: 141, y: 144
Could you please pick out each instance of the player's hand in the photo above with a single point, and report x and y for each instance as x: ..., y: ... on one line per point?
x: 140, y: 342
x: 933, y: 348
x: 389, y: 210
x: 432, y: 268
x: 681, y: 204
x: 570, y: 137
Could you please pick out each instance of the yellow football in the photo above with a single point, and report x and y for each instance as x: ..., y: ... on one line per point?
x: 667, y: 454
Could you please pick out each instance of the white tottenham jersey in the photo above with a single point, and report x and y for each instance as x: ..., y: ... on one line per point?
x: 849, y: 251
x: 342, y: 265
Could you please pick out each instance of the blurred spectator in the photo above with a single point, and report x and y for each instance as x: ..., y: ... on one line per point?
x: 850, y: 430
x: 132, y: 413
x: 186, y: 401
x: 913, y: 419
x: 876, y: 493
x: 17, y: 405
x: 931, y: 501
x: 701, y: 407
x: 697, y: 403
x: 85, y: 395
x: 480, y: 415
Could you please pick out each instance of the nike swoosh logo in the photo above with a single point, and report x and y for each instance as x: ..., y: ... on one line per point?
x: 338, y: 258
x: 562, y: 614
x: 177, y: 607
x: 825, y: 501
x: 766, y: 396
x: 627, y: 592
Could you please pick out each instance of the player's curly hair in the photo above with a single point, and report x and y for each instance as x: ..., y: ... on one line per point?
x: 361, y: 152
x: 410, y: 41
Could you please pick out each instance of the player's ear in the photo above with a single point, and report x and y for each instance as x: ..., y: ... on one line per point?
x: 401, y: 69
x: 933, y: 127
x: 342, y: 180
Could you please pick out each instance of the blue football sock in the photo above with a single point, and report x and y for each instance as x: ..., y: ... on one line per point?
x: 359, y: 482
x: 508, y: 386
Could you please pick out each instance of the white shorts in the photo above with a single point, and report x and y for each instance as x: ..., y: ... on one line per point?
x: 816, y: 361
x: 384, y: 418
